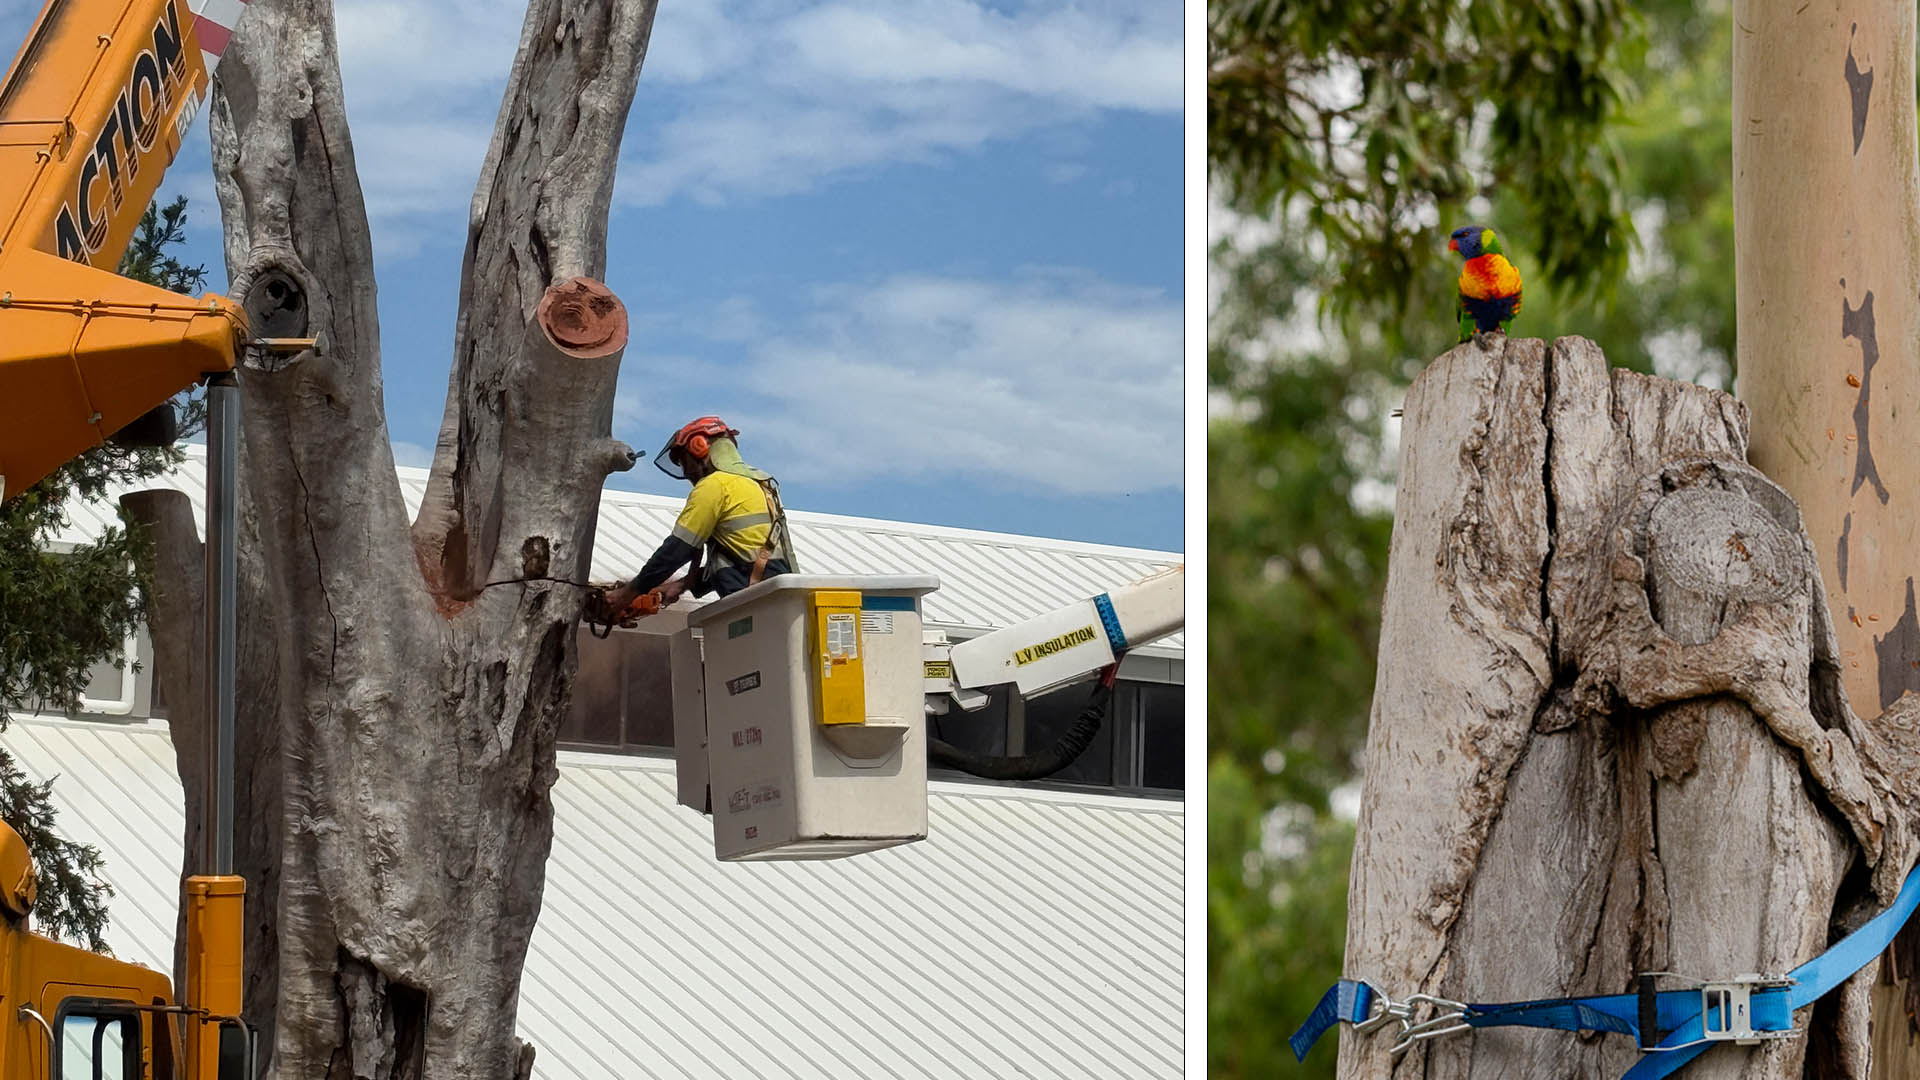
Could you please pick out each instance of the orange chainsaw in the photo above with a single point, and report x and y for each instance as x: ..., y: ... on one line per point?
x: 601, y: 618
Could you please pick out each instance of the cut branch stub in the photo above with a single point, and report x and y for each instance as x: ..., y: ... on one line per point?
x: 555, y: 448
x: 583, y: 318
x: 1707, y: 550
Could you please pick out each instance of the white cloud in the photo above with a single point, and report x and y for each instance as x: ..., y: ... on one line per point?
x: 849, y: 85
x: 753, y: 98
x: 1053, y: 382
x: 720, y: 150
x: 1064, y: 54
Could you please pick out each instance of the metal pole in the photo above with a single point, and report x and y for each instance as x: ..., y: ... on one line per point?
x: 223, y: 440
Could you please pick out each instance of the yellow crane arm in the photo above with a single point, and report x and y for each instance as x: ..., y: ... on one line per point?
x: 91, y: 114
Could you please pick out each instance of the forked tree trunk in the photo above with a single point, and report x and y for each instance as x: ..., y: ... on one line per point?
x: 401, y: 682
x: 1608, y: 734
x: 1827, y: 221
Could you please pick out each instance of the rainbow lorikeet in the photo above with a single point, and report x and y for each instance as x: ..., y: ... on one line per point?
x: 1489, y: 285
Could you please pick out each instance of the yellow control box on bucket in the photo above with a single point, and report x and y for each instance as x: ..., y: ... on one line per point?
x: 800, y: 716
x: 840, y: 691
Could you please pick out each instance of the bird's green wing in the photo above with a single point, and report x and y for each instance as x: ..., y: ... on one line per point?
x: 1466, y: 321
x: 1506, y: 324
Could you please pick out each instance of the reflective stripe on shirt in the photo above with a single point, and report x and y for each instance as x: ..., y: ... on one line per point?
x: 728, y: 509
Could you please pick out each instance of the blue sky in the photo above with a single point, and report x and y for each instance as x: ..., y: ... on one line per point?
x: 925, y: 254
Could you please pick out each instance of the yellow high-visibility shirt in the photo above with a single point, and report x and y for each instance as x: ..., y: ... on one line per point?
x: 731, y: 510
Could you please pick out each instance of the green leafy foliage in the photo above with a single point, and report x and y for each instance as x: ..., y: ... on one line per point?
x: 63, y: 612
x: 1346, y: 141
x: 1374, y: 121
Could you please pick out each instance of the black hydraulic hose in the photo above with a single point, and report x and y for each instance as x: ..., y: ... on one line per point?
x: 1036, y: 766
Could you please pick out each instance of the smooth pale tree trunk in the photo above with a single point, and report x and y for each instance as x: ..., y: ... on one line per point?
x: 1609, y: 734
x: 1827, y: 224
x: 401, y: 682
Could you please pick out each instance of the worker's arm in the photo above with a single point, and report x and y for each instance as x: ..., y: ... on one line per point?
x: 671, y: 555
x: 695, y: 525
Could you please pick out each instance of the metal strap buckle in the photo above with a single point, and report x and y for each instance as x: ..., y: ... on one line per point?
x: 1726, y: 1013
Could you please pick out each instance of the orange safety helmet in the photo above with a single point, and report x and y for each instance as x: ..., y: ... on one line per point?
x: 691, y: 441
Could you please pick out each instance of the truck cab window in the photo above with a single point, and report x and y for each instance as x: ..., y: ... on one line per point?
x: 94, y: 1046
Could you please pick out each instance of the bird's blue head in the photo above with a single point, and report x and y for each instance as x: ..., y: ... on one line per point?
x: 1473, y: 241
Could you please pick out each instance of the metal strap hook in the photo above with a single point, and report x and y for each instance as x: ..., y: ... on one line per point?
x: 1448, y: 1017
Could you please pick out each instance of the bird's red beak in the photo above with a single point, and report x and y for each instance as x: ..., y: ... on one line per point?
x: 1453, y: 244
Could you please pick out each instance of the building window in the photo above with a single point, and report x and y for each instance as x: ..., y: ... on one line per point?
x: 1140, y: 745
x: 623, y: 693
x: 113, y: 684
x: 1161, y: 762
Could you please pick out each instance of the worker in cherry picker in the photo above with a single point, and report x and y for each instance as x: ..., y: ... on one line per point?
x: 733, y: 513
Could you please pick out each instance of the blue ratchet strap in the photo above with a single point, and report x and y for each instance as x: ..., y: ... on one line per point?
x: 1812, y: 980
x: 1349, y: 999
x: 1625, y: 1013
x: 1675, y: 1012
x: 1622, y: 1013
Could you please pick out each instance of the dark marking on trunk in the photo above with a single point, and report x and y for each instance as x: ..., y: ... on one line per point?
x: 384, y: 1022
x: 535, y: 556
x: 1899, y: 654
x: 1840, y: 560
x: 1860, y: 87
x: 407, y: 1007
x: 1824, y: 693
x: 1904, y: 957
x: 552, y: 684
x: 1858, y: 323
x: 542, y: 258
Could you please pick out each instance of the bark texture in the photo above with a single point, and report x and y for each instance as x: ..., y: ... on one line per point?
x: 397, y: 703
x: 1609, y: 734
x: 1827, y: 224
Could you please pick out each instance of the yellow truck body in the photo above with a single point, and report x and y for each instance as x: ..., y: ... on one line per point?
x: 72, y: 1013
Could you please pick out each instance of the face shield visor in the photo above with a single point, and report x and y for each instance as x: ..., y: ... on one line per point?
x: 668, y: 461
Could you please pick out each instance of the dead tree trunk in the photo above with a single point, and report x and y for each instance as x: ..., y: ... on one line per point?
x: 1827, y: 230
x: 1608, y: 734
x: 401, y: 682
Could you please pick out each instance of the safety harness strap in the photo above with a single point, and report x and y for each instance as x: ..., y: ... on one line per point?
x: 1684, y: 1022
x: 776, y: 534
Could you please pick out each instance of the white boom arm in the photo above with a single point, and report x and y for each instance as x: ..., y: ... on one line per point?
x: 1060, y: 647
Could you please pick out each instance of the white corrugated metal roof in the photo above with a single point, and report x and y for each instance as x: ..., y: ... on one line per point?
x: 1033, y: 934
x: 987, y: 580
